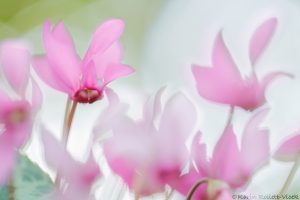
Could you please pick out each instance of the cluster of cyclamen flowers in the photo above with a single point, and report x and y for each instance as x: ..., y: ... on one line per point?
x: 149, y: 154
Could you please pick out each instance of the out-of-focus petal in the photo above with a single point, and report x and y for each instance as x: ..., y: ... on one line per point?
x: 222, y: 60
x: 37, y: 96
x: 255, y: 148
x: 106, y: 34
x: 46, y: 73
x: 7, y: 158
x: 198, y: 153
x: 15, y: 61
x: 153, y: 107
x: 289, y: 150
x: 261, y: 38
x: 272, y: 77
x: 56, y: 155
x: 61, y: 54
x: 177, y: 122
x: 227, y: 168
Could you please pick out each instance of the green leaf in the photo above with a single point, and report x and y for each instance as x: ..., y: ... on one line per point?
x: 29, y: 182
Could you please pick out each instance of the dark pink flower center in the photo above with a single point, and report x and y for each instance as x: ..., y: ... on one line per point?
x: 16, y: 113
x: 88, y: 95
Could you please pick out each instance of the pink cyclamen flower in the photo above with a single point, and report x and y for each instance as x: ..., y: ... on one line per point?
x: 289, y: 150
x: 17, y: 110
x: 223, y: 82
x: 77, y: 177
x: 84, y: 80
x: 148, y: 153
x: 230, y: 167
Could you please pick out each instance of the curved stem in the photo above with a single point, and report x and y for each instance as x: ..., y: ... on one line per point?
x: 290, y: 177
x: 195, y: 187
x: 67, y: 111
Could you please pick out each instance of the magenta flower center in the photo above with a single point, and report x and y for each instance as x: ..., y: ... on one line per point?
x: 88, y: 95
x: 16, y: 114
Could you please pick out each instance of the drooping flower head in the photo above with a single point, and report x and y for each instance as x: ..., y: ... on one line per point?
x: 17, y: 110
x: 289, y: 150
x: 84, y: 80
x: 77, y: 177
x: 223, y: 83
x: 230, y: 167
x: 150, y: 152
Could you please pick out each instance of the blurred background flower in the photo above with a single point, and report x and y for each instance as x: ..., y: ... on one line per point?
x: 162, y: 39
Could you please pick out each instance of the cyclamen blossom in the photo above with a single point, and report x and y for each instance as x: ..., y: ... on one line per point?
x: 230, y: 167
x: 77, y: 177
x: 289, y: 150
x: 223, y: 82
x: 84, y: 80
x: 17, y: 111
x: 148, y: 153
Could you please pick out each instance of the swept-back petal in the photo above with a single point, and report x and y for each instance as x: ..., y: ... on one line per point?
x: 289, y: 150
x: 105, y: 35
x: 57, y: 156
x: 45, y: 71
x: 222, y: 60
x: 61, y: 54
x: 255, y: 147
x: 261, y: 38
x: 199, y: 154
x: 15, y: 60
x: 227, y: 168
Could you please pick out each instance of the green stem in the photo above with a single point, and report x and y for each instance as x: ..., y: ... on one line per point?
x: 290, y: 177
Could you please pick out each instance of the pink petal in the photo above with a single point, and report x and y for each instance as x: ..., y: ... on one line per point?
x: 255, y: 143
x: 261, y: 38
x: 289, y: 150
x: 49, y: 76
x: 106, y: 34
x: 199, y: 154
x: 108, y: 64
x: 177, y: 122
x: 115, y: 71
x: 56, y: 155
x: 222, y: 60
x: 7, y: 158
x: 37, y: 96
x: 61, y: 54
x: 227, y: 168
x: 153, y: 107
x: 15, y: 60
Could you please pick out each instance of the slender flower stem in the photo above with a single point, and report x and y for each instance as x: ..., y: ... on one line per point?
x: 11, y: 189
x: 69, y: 122
x: 290, y: 177
x: 195, y: 187
x: 68, y: 119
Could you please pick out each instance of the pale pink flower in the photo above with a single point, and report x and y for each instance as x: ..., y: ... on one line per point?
x: 77, y: 178
x: 223, y: 83
x: 229, y: 165
x: 289, y: 150
x: 84, y: 80
x: 148, y: 153
x: 17, y: 110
